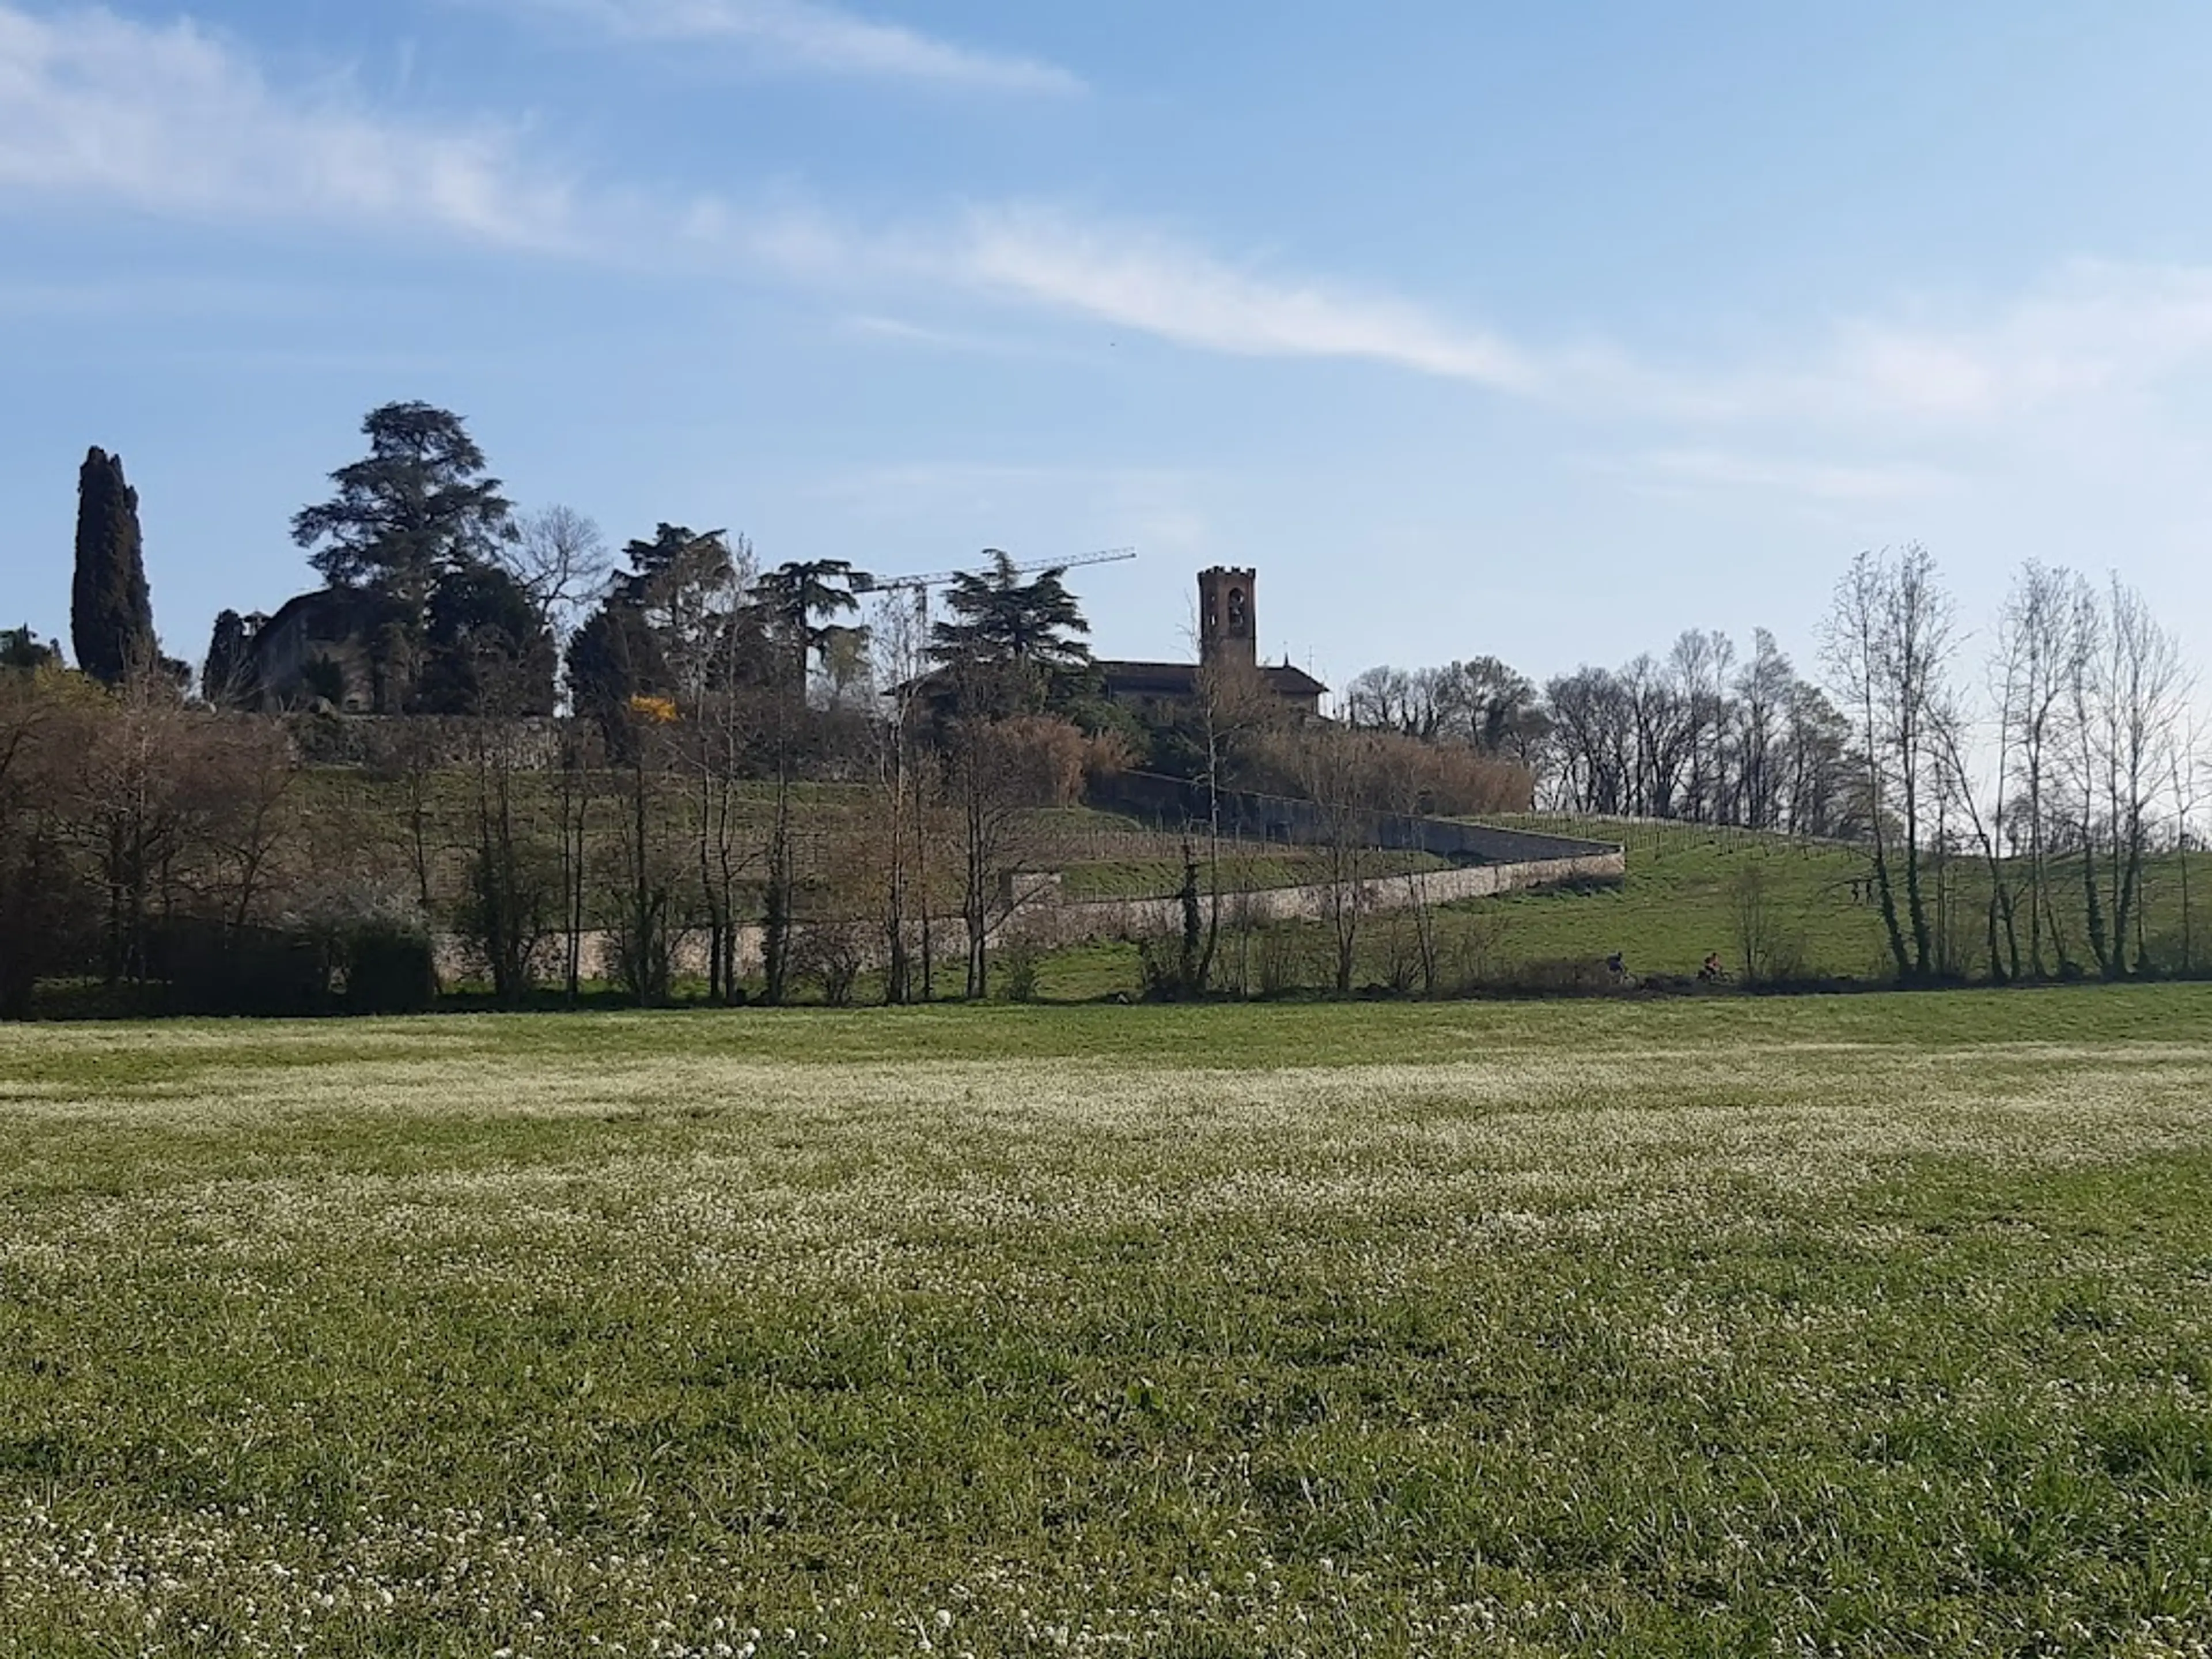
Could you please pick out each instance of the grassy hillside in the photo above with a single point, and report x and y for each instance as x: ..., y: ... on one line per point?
x: 1856, y: 1326
x: 1686, y: 892
x: 1684, y: 896
x: 1100, y: 855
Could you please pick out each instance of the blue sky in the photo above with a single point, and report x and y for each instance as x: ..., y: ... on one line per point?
x: 1545, y: 331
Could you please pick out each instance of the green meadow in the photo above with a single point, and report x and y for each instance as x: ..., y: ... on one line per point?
x: 1860, y: 1325
x: 1684, y: 897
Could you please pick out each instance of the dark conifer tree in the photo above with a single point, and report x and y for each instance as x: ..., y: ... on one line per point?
x: 21, y: 648
x: 615, y: 657
x: 417, y: 508
x: 489, y: 652
x: 111, y: 612
x: 1010, y: 645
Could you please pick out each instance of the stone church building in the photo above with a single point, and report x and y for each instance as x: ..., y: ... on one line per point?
x: 1228, y: 637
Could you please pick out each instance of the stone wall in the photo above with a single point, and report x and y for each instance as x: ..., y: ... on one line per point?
x: 532, y: 743
x: 1071, y: 922
x: 1039, y: 914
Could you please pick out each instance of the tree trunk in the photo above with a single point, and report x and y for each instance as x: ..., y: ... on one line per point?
x: 775, y: 933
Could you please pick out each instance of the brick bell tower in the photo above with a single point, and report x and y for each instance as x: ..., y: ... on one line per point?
x: 1228, y: 628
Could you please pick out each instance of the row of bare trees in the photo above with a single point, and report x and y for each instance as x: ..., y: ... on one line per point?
x: 1697, y: 735
x: 2071, y: 762
x: 1419, y: 750
x: 121, y: 812
x: 145, y: 842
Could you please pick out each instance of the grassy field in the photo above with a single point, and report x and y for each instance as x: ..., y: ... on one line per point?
x: 1862, y: 1325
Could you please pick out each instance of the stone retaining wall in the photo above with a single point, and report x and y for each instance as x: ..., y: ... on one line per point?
x: 1039, y: 914
x: 1070, y: 922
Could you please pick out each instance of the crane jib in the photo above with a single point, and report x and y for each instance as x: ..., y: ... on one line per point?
x: 939, y: 578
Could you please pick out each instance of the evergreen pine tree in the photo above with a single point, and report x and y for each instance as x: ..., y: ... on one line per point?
x: 417, y: 508
x: 111, y: 612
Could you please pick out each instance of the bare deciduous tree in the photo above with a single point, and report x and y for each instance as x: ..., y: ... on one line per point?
x: 2036, y: 640
x: 1886, y: 642
x: 254, y: 821
x: 2185, y: 762
x: 997, y: 771
x: 1336, y: 772
x: 144, y: 796
x: 43, y: 732
x: 2144, y: 690
x: 898, y: 636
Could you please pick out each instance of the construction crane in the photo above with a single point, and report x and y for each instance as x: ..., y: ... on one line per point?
x: 921, y: 585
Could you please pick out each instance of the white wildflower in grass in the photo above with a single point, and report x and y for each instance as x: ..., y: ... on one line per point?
x: 1842, y: 1325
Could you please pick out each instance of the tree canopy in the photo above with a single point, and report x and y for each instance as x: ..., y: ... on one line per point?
x: 1010, y: 645
x: 664, y: 623
x: 21, y: 648
x: 800, y: 601
x: 111, y: 610
x: 418, y: 506
x: 489, y: 652
x: 999, y: 618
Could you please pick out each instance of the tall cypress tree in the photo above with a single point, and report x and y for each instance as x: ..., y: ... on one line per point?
x: 111, y: 612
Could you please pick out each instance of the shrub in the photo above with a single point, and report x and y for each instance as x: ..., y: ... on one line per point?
x: 375, y: 938
x: 1559, y: 977
x: 1478, y: 944
x: 831, y: 955
x: 1770, y: 949
x: 1018, y: 962
x: 209, y: 969
x: 1160, y: 967
x: 44, y: 909
x: 390, y: 969
x: 1403, y: 966
x: 1283, y: 960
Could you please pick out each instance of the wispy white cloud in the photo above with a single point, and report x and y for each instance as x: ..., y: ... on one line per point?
x: 2089, y: 333
x: 153, y: 293
x: 173, y: 120
x: 1138, y: 279
x: 1823, y: 480
x: 980, y: 340
x: 806, y: 35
